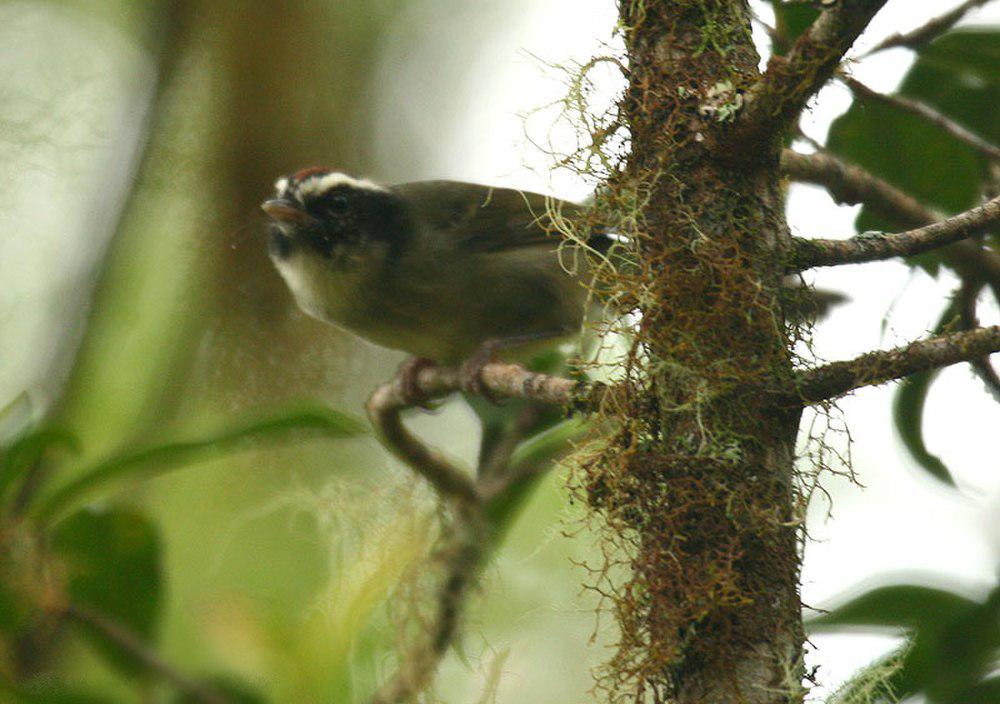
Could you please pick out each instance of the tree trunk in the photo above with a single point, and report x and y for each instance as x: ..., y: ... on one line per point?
x: 701, y: 478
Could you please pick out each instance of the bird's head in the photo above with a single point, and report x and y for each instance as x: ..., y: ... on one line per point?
x: 344, y: 221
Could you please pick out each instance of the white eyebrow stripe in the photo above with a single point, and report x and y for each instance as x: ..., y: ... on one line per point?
x: 320, y: 183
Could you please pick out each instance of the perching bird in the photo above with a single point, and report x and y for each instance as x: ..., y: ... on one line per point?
x: 444, y: 270
x: 447, y: 271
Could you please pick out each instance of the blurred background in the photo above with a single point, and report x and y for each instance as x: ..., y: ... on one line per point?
x: 138, y: 306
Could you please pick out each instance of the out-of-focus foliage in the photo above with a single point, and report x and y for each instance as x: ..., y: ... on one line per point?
x: 264, y: 574
x: 959, y: 75
x: 952, y: 641
x: 952, y: 645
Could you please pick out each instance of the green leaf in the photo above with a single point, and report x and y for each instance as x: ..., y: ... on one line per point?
x: 303, y: 422
x: 986, y: 692
x: 954, y: 641
x: 882, y: 682
x: 908, y: 408
x: 231, y: 691
x: 20, y: 456
x: 908, y: 414
x: 895, y: 606
x: 959, y: 75
x: 790, y: 22
x: 112, y: 559
x: 46, y: 692
x: 537, y: 451
x: 954, y: 658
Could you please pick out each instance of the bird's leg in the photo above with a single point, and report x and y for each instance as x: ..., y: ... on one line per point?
x: 472, y: 368
x: 406, y: 376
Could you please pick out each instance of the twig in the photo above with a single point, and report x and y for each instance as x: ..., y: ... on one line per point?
x: 461, y: 556
x: 926, y: 112
x: 967, y: 316
x: 465, y: 546
x: 838, y: 378
x: 928, y: 32
x: 775, y: 101
x: 849, y: 183
x: 141, y: 653
x: 500, y: 379
x: 869, y: 247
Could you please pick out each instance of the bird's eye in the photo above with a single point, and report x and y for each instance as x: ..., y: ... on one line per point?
x: 337, y: 203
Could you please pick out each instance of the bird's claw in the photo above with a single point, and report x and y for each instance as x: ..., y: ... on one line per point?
x: 409, y: 389
x: 472, y: 371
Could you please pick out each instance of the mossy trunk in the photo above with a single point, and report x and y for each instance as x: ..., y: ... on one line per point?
x: 702, y: 476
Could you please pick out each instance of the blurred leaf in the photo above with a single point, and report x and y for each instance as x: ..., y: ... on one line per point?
x: 551, y: 443
x: 899, y: 606
x: 47, y: 692
x: 908, y: 414
x: 113, y: 562
x: 790, y: 22
x: 20, y: 456
x: 987, y: 692
x: 231, y: 691
x: 953, y: 659
x: 15, y: 417
x: 959, y: 75
x: 311, y: 422
x: 954, y: 642
x: 537, y: 451
x: 908, y: 407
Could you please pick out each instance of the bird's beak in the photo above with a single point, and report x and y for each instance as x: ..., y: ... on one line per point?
x: 285, y: 211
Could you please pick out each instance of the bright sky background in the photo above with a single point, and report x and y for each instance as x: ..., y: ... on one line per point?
x: 902, y: 522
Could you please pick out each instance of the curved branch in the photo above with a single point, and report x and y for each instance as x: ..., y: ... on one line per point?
x: 836, y: 379
x: 929, y: 31
x: 385, y: 412
x: 926, y: 112
x: 868, y: 247
x: 141, y: 653
x: 850, y: 184
x: 778, y: 98
x: 461, y: 556
x: 475, y: 514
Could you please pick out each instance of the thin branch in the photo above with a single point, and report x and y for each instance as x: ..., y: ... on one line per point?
x: 928, y: 32
x: 838, y: 378
x: 849, y: 183
x: 501, y: 380
x: 465, y: 546
x: 983, y: 368
x: 926, y: 112
x: 461, y: 556
x: 778, y: 98
x: 448, y: 480
x: 869, y: 247
x: 141, y: 653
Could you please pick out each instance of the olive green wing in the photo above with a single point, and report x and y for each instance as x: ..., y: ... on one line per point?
x: 485, y: 218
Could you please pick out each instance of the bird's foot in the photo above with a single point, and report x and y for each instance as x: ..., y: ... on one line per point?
x: 406, y: 377
x: 472, y: 370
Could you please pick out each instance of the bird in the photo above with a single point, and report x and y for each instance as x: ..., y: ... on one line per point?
x: 451, y: 273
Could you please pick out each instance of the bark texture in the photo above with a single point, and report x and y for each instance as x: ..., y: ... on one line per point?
x: 701, y: 476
